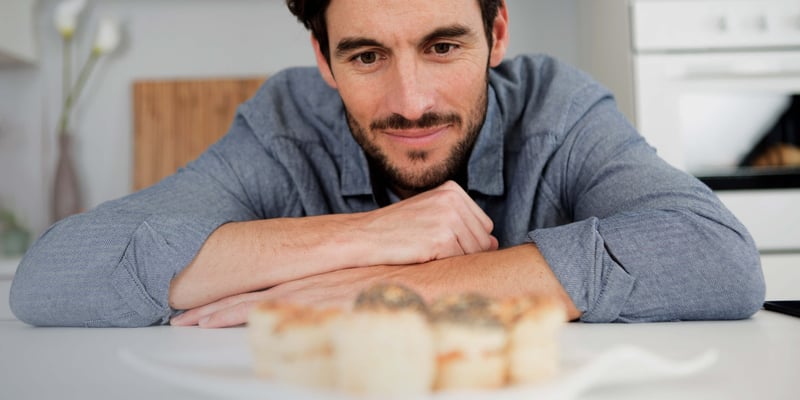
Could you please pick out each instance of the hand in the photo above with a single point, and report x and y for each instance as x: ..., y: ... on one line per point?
x: 242, y: 257
x: 440, y: 223
x: 515, y: 271
x: 333, y: 289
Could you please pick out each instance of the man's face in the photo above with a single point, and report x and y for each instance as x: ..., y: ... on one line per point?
x: 413, y: 77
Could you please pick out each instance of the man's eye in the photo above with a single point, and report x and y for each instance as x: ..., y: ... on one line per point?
x: 367, y: 58
x: 442, y: 48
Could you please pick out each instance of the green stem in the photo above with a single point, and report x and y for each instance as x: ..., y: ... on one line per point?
x: 66, y: 67
x: 86, y: 70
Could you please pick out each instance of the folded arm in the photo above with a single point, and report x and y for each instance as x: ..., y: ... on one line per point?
x: 515, y: 271
x: 247, y: 256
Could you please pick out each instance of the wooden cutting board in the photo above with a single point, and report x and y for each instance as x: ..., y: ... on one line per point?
x: 176, y: 120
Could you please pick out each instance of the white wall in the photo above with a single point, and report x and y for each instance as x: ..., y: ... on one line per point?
x: 544, y: 26
x: 171, y: 39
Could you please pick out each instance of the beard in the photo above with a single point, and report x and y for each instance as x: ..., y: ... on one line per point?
x: 418, y: 181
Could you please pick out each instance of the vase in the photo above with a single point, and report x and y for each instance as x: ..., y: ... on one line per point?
x: 66, y: 186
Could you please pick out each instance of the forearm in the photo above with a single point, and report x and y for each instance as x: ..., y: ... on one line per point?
x: 501, y: 274
x: 241, y: 257
x: 248, y: 256
x: 515, y: 271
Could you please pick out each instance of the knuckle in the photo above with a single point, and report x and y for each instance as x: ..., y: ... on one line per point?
x: 443, y: 241
x: 451, y: 190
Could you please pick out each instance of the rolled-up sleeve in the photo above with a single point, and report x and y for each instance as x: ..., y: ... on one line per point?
x: 649, y: 242
x: 597, y: 285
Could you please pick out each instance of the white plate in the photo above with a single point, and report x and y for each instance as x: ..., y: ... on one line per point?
x: 227, y: 373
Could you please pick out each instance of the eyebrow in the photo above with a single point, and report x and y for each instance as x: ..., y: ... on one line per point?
x: 447, y: 32
x: 347, y: 45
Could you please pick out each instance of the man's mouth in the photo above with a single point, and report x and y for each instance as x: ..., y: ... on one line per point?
x: 417, y: 137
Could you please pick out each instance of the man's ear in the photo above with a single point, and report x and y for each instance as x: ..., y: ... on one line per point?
x: 322, y: 64
x: 500, y: 35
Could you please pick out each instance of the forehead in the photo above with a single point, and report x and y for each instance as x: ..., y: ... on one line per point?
x: 398, y: 19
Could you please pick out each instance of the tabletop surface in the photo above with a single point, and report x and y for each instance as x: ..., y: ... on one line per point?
x: 757, y: 358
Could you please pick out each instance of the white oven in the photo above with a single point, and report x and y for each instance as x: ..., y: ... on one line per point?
x: 704, y: 81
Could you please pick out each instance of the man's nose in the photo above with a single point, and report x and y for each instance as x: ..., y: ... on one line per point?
x: 410, y: 92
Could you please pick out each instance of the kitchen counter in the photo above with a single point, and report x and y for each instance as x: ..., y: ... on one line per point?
x: 757, y: 358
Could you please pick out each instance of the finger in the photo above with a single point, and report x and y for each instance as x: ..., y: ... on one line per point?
x: 466, y: 221
x: 189, y: 317
x: 482, y: 238
x: 468, y: 235
x: 471, y: 205
x: 476, y: 236
x: 485, y: 222
x: 231, y: 316
x: 193, y: 316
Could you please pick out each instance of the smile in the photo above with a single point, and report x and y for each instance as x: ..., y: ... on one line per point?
x: 417, y: 137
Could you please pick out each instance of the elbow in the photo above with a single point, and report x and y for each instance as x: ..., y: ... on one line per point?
x: 749, y: 291
x: 70, y: 278
x: 40, y: 298
x: 26, y: 301
x: 32, y: 307
x: 742, y: 302
x: 19, y: 306
x: 37, y: 299
x: 742, y: 289
x: 727, y: 265
x: 25, y: 311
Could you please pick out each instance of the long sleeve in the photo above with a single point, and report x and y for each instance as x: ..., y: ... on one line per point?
x: 648, y: 242
x: 112, y: 266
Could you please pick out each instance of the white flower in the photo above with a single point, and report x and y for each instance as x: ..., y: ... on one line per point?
x: 66, y: 17
x: 108, y: 36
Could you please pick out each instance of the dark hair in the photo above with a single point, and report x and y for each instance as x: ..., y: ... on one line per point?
x: 311, y: 13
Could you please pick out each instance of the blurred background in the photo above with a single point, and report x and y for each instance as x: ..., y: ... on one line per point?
x: 161, y: 39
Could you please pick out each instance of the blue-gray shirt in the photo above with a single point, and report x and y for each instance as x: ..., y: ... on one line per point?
x: 628, y: 236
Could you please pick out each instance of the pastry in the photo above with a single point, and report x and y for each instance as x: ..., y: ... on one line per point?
x: 471, y: 342
x: 292, y: 343
x: 533, y: 345
x: 384, y: 346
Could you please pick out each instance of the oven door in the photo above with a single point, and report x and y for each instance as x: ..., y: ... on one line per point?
x: 704, y: 112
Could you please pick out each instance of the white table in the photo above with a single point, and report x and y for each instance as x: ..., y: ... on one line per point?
x: 758, y: 358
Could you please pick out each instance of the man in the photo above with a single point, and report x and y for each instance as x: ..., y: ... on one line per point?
x: 412, y: 154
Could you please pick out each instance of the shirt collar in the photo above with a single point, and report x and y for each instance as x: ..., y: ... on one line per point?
x: 355, y: 168
x: 484, y: 170
x: 485, y: 167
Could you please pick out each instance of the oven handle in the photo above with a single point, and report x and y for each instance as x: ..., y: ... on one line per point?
x: 738, y: 74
